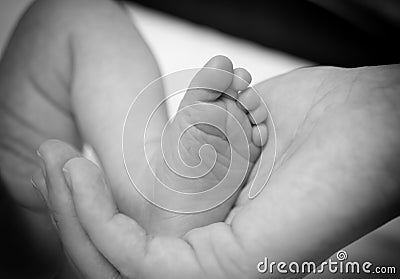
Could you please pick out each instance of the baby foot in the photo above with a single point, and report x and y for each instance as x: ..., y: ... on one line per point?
x: 214, y: 112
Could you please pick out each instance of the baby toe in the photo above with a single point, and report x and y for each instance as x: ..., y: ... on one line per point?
x: 259, y: 134
x: 241, y: 79
x: 249, y: 99
x: 230, y: 94
x: 259, y: 114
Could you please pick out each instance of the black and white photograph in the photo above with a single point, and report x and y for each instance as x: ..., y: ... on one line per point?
x: 199, y: 139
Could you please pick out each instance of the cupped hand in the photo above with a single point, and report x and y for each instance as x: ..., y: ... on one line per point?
x: 335, y: 179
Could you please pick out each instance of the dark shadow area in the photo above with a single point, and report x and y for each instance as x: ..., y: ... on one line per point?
x: 339, y: 33
x: 18, y: 258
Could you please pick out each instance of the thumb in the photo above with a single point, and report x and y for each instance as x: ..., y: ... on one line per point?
x: 78, y: 247
x: 119, y: 238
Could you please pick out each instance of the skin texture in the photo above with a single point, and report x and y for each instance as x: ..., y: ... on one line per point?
x: 228, y: 130
x: 336, y: 179
x: 331, y: 153
x: 85, y: 65
x: 65, y: 64
x: 56, y: 83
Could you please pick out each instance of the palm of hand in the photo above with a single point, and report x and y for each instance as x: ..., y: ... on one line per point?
x: 326, y: 150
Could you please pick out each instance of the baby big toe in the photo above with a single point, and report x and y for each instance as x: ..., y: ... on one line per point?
x: 210, y: 81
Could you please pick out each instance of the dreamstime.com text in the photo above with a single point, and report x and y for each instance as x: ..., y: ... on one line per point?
x: 340, y: 266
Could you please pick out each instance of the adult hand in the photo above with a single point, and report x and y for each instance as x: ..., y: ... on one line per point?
x: 336, y: 178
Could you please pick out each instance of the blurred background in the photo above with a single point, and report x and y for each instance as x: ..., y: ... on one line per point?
x: 332, y: 32
x: 344, y: 33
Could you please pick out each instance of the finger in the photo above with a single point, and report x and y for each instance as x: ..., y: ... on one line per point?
x: 83, y: 255
x: 208, y: 252
x: 120, y: 239
x: 111, y: 232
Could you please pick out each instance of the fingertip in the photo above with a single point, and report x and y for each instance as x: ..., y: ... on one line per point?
x: 51, y: 150
x: 80, y: 170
